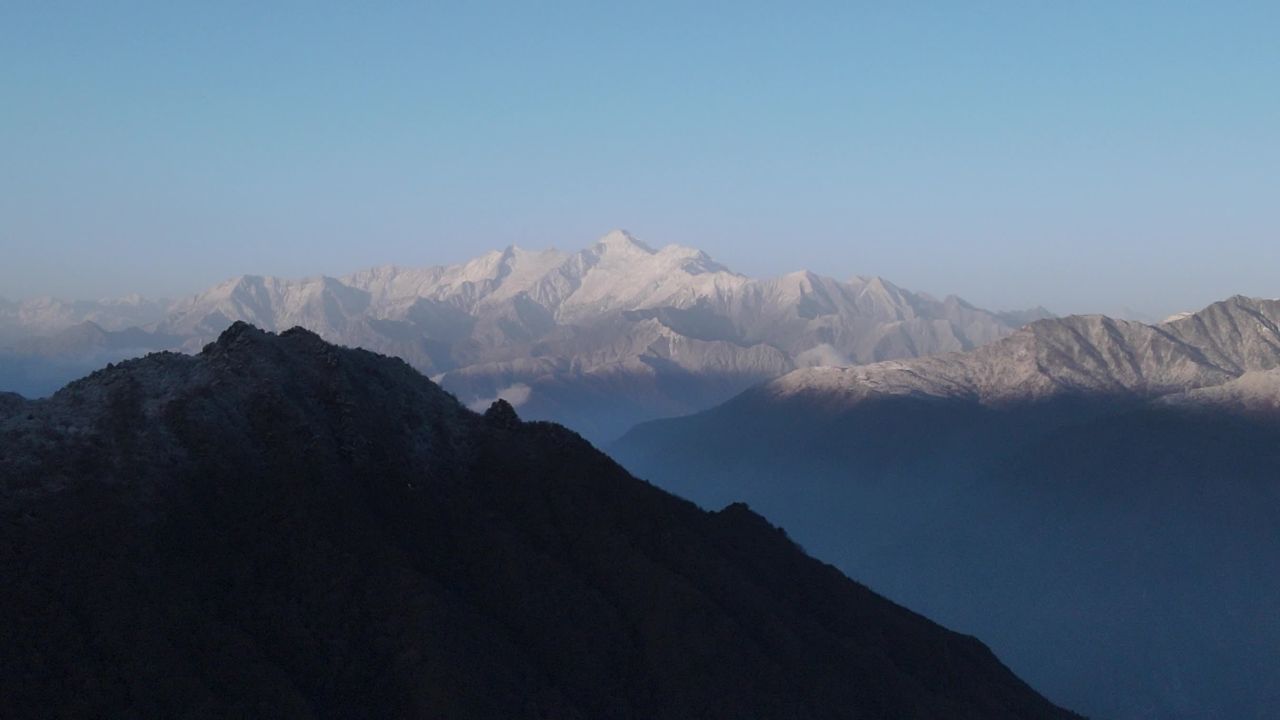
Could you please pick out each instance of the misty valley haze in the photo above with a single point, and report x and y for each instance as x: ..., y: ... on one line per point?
x: 1096, y: 498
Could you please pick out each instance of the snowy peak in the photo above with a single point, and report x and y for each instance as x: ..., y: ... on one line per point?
x: 885, y: 297
x: 491, y: 308
x: 323, y: 303
x: 621, y: 241
x: 692, y: 260
x: 620, y: 274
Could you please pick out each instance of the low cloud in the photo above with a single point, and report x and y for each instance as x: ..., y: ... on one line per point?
x: 823, y: 354
x: 516, y: 394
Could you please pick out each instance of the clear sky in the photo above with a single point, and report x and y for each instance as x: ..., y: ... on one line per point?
x: 1086, y: 156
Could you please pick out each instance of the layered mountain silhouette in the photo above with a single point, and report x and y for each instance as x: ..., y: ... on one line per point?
x: 598, y: 339
x: 45, y: 342
x: 1098, y: 499
x: 280, y: 527
x: 40, y: 364
x: 46, y: 316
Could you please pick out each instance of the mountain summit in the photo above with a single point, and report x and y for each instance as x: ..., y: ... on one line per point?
x: 281, y: 527
x: 621, y: 240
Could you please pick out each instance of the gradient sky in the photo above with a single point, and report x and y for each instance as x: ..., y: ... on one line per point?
x: 1087, y: 156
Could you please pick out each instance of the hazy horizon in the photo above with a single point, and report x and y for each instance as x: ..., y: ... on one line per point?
x: 1087, y: 158
x: 1122, y: 311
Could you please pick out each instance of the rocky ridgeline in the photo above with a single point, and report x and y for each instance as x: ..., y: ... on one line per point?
x: 280, y: 527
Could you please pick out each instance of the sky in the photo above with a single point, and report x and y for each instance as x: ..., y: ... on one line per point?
x: 1085, y: 156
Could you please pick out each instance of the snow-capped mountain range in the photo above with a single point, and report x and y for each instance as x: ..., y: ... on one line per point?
x: 600, y: 339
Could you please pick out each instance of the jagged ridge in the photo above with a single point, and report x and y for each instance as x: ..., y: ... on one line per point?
x: 1078, y: 355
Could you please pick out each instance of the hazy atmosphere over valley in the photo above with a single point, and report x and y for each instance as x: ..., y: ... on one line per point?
x: 574, y: 360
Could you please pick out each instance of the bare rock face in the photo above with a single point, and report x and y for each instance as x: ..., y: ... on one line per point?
x: 1078, y: 355
x: 1254, y: 392
x: 278, y: 527
x: 501, y: 415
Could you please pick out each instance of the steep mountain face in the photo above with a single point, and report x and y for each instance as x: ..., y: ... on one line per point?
x: 1098, y: 499
x: 602, y: 338
x: 279, y: 527
x: 1081, y: 355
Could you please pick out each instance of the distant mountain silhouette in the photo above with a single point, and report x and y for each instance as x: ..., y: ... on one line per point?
x: 1098, y: 499
x: 277, y: 527
x: 41, y: 364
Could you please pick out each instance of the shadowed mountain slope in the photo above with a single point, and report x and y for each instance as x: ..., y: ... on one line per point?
x: 278, y: 527
x: 1098, y: 499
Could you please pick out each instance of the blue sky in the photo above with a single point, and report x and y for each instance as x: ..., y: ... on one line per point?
x: 1086, y: 156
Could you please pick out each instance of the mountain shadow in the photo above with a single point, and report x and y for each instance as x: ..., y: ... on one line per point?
x: 1117, y: 553
x: 279, y: 527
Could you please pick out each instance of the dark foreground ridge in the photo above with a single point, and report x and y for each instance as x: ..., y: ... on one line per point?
x: 278, y: 527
